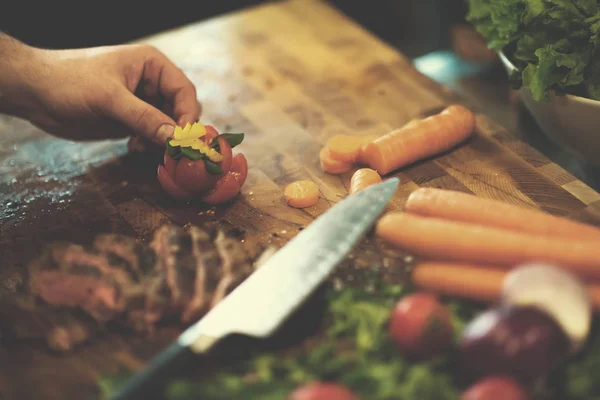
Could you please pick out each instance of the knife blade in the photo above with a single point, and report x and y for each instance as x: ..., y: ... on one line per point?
x: 268, y: 297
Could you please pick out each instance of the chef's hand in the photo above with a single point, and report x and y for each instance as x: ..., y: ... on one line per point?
x: 96, y: 93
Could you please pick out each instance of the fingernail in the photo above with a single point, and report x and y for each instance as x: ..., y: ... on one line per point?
x: 165, y: 131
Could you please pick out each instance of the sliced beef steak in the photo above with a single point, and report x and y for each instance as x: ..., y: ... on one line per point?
x: 208, y: 264
x: 182, y: 274
x: 236, y: 266
x: 126, y: 253
x: 68, y: 275
x: 175, y: 258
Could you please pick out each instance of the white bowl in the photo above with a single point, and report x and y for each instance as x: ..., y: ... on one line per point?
x: 571, y: 121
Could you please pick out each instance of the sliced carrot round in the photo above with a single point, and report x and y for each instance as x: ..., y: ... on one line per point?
x: 301, y: 194
x: 347, y: 148
x: 362, y: 179
x: 331, y: 165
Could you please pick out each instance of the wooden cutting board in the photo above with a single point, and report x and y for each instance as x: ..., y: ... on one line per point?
x: 290, y: 75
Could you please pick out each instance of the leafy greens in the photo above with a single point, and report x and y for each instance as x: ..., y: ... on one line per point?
x: 356, y: 351
x: 552, y: 43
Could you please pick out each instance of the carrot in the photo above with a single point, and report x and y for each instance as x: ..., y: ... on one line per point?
x: 301, y: 194
x: 459, y: 206
x: 459, y: 241
x: 346, y: 147
x: 473, y: 282
x: 361, y: 154
x: 331, y: 165
x: 362, y: 179
x: 415, y: 142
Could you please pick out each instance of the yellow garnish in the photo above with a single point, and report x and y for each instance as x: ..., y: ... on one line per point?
x: 195, y: 131
x: 190, y: 135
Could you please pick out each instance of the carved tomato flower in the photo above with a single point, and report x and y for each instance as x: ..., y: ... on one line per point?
x: 199, y: 164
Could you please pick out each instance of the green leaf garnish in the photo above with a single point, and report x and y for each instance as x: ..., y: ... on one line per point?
x: 212, y: 168
x: 172, y: 151
x: 192, y: 154
x: 232, y: 138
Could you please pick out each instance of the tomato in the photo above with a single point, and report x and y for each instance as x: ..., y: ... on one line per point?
x: 169, y: 186
x: 495, y: 388
x: 227, y: 153
x: 170, y: 165
x: 420, y: 325
x: 211, y: 133
x: 192, y: 176
x: 322, y: 391
x: 240, y: 165
x: 227, y: 188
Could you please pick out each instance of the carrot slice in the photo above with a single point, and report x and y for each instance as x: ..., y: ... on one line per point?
x: 420, y: 140
x: 462, y: 242
x: 331, y: 165
x: 346, y: 147
x: 471, y: 281
x: 301, y: 194
x: 459, y: 206
x: 362, y: 179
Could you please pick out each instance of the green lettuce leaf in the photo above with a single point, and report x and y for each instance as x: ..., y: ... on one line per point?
x: 553, y: 43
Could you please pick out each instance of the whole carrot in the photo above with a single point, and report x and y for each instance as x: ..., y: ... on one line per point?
x: 420, y: 140
x: 362, y: 179
x: 473, y: 282
x: 462, y: 242
x: 464, y: 207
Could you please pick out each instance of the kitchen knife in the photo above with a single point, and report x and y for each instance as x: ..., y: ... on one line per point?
x: 269, y: 296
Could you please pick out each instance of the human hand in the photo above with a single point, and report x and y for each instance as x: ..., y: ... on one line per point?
x: 109, y: 92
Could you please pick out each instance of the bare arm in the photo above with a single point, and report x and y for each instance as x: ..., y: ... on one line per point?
x: 95, y: 93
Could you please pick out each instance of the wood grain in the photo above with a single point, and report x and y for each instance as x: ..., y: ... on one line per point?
x: 290, y: 75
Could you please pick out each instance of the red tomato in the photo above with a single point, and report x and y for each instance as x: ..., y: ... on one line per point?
x: 420, y: 325
x: 240, y: 166
x: 227, y: 153
x: 322, y: 391
x: 495, y: 388
x: 211, y: 133
x: 191, y: 176
x: 170, y: 165
x: 169, y: 186
x: 227, y: 188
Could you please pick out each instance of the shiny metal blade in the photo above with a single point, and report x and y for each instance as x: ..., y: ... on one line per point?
x: 265, y: 299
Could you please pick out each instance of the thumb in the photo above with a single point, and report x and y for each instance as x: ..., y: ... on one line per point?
x: 141, y: 117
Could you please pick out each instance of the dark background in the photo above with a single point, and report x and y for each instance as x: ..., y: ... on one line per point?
x: 416, y: 27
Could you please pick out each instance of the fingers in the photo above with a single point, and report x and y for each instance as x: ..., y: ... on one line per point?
x: 139, y: 116
x: 163, y: 78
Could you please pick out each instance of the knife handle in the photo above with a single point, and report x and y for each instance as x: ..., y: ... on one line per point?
x: 150, y: 382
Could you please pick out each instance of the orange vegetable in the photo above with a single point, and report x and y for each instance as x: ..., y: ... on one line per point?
x: 362, y: 179
x: 331, y: 165
x: 361, y: 154
x: 474, y: 282
x: 458, y: 206
x: 346, y: 147
x: 471, y: 281
x: 423, y: 139
x: 301, y: 194
x: 462, y: 242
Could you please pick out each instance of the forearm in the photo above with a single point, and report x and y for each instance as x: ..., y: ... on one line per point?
x: 18, y: 72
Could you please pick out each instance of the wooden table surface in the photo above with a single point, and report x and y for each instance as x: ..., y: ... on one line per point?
x: 290, y: 75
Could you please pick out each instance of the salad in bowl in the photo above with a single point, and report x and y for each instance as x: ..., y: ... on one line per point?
x: 550, y: 49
